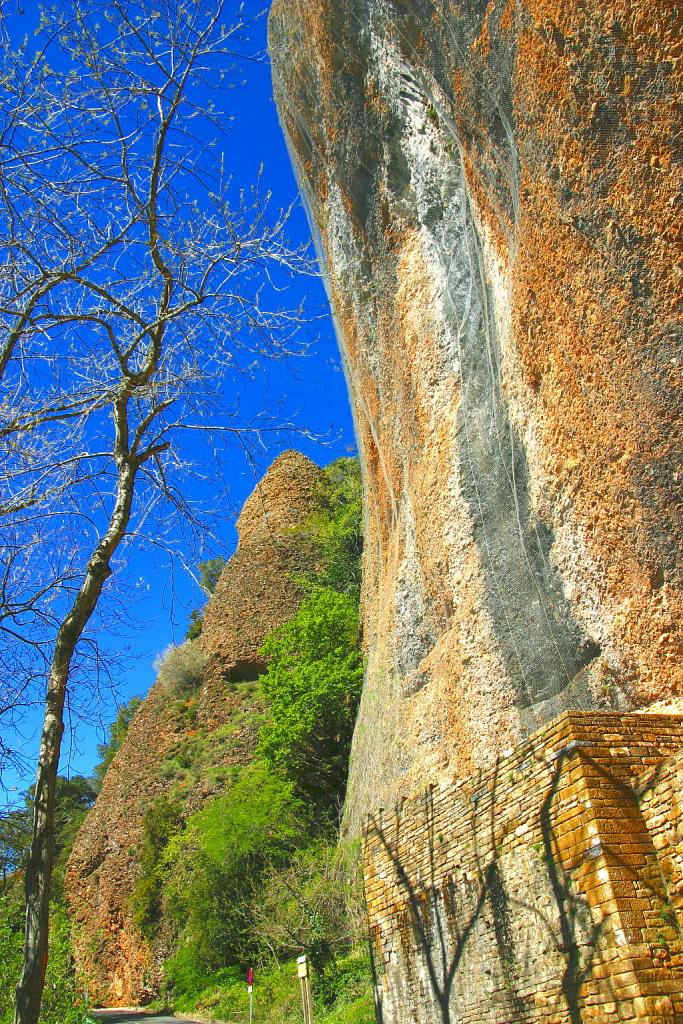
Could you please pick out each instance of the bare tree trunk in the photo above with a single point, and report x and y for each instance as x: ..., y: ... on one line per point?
x: 39, y: 866
x: 106, y: 287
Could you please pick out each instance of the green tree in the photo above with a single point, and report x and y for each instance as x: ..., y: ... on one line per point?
x: 213, y: 867
x: 209, y: 575
x: 313, y: 686
x: 116, y: 734
x: 194, y: 626
x: 73, y: 799
x: 338, y: 526
x: 61, y: 1002
x: 308, y: 906
x: 15, y: 839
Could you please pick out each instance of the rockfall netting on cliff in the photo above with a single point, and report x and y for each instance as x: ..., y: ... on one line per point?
x: 493, y: 188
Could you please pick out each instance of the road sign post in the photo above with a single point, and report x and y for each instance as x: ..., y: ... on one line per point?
x: 250, y: 990
x: 306, y: 998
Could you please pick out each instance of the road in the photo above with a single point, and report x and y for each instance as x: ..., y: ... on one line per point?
x: 137, y: 1017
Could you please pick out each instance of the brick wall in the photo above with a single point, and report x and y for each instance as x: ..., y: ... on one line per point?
x: 661, y: 801
x: 544, y: 890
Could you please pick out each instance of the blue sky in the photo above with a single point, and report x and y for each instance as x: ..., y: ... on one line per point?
x: 311, y: 389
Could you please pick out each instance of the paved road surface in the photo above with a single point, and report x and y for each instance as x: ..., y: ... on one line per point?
x: 128, y: 1017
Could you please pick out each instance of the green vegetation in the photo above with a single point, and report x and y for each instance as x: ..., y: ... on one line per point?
x: 211, y: 869
x: 209, y: 575
x: 61, y: 1002
x: 254, y: 875
x: 116, y: 734
x: 314, y: 904
x: 161, y: 823
x: 277, y: 998
x: 15, y: 839
x: 74, y: 798
x: 11, y: 945
x: 313, y: 686
x: 202, y: 756
x: 338, y: 527
x: 179, y: 669
x: 241, y: 881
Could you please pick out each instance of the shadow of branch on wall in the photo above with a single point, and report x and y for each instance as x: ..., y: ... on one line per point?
x: 441, y: 922
x: 442, y: 937
x: 579, y: 953
x: 443, y: 951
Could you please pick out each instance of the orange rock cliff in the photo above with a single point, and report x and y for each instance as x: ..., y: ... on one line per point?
x: 494, y: 191
x: 255, y: 593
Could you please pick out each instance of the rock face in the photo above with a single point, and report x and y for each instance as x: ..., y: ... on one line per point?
x: 257, y: 589
x: 493, y: 188
x: 255, y: 593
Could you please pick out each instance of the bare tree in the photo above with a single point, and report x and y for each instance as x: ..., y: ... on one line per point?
x: 314, y: 905
x: 135, y: 283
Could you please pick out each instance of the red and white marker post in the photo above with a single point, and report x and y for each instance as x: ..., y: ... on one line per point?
x: 250, y: 990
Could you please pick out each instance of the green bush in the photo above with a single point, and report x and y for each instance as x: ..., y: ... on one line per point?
x: 360, y: 1011
x: 339, y: 526
x: 61, y: 1002
x: 311, y: 905
x: 11, y: 946
x: 211, y: 869
x: 277, y: 995
x: 188, y: 976
x: 344, y: 982
x: 161, y: 823
x: 313, y: 686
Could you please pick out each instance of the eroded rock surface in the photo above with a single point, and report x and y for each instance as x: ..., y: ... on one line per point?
x: 258, y: 589
x: 255, y: 593
x: 494, y: 189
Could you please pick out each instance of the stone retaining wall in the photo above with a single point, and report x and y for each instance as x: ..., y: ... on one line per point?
x: 547, y: 889
x: 662, y: 805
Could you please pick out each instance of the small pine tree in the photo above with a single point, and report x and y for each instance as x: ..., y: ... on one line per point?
x: 117, y: 732
x: 210, y: 573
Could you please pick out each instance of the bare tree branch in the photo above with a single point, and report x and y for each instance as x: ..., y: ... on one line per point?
x: 139, y: 293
